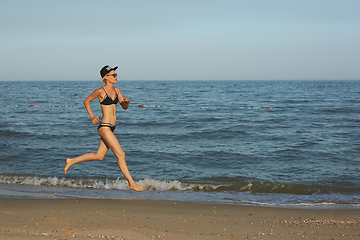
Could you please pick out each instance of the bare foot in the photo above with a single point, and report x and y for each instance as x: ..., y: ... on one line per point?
x: 136, y: 187
x: 68, y: 165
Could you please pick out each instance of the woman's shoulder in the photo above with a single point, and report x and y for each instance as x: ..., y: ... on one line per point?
x: 117, y: 89
x: 98, y: 91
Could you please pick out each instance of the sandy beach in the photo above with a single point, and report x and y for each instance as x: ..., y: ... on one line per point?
x: 138, y: 219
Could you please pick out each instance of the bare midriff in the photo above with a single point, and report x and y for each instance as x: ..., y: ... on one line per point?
x: 108, y: 114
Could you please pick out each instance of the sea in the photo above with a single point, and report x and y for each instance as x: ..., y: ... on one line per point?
x: 267, y: 143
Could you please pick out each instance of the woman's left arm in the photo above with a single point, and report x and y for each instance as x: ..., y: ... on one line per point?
x: 124, y: 101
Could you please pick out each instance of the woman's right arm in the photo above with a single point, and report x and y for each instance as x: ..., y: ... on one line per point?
x: 91, y: 97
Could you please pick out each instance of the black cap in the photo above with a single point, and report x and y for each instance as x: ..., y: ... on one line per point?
x: 105, y: 70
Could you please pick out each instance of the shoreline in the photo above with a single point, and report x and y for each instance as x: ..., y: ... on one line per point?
x: 26, y: 191
x: 147, y: 219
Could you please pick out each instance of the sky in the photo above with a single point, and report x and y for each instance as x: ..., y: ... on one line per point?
x: 180, y: 39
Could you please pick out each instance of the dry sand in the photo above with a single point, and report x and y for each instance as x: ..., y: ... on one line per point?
x: 137, y: 219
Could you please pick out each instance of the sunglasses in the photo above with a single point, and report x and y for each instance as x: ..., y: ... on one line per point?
x: 114, y: 75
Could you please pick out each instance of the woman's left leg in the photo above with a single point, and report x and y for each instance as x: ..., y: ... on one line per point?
x: 99, y: 155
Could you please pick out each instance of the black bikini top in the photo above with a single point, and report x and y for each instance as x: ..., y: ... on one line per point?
x: 108, y: 100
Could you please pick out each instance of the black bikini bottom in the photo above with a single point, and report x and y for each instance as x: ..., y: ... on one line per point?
x: 109, y: 125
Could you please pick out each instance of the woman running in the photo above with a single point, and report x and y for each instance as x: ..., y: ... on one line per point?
x: 108, y: 96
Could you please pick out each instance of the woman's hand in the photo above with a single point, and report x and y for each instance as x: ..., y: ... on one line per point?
x: 126, y: 100
x: 125, y: 103
x: 95, y: 120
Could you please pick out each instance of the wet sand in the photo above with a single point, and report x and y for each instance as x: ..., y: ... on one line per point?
x: 138, y: 219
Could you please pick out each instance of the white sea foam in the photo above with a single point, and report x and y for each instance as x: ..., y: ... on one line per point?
x: 155, y: 184
x: 120, y: 184
x: 82, y: 187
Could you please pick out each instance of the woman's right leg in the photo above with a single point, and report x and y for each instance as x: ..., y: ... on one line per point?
x: 114, y: 145
x: 99, y: 155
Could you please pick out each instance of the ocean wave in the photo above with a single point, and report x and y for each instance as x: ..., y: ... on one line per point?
x: 248, y: 193
x: 170, y: 185
x: 13, y: 133
x: 119, y: 184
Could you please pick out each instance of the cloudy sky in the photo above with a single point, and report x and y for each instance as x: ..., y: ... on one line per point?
x: 180, y: 39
